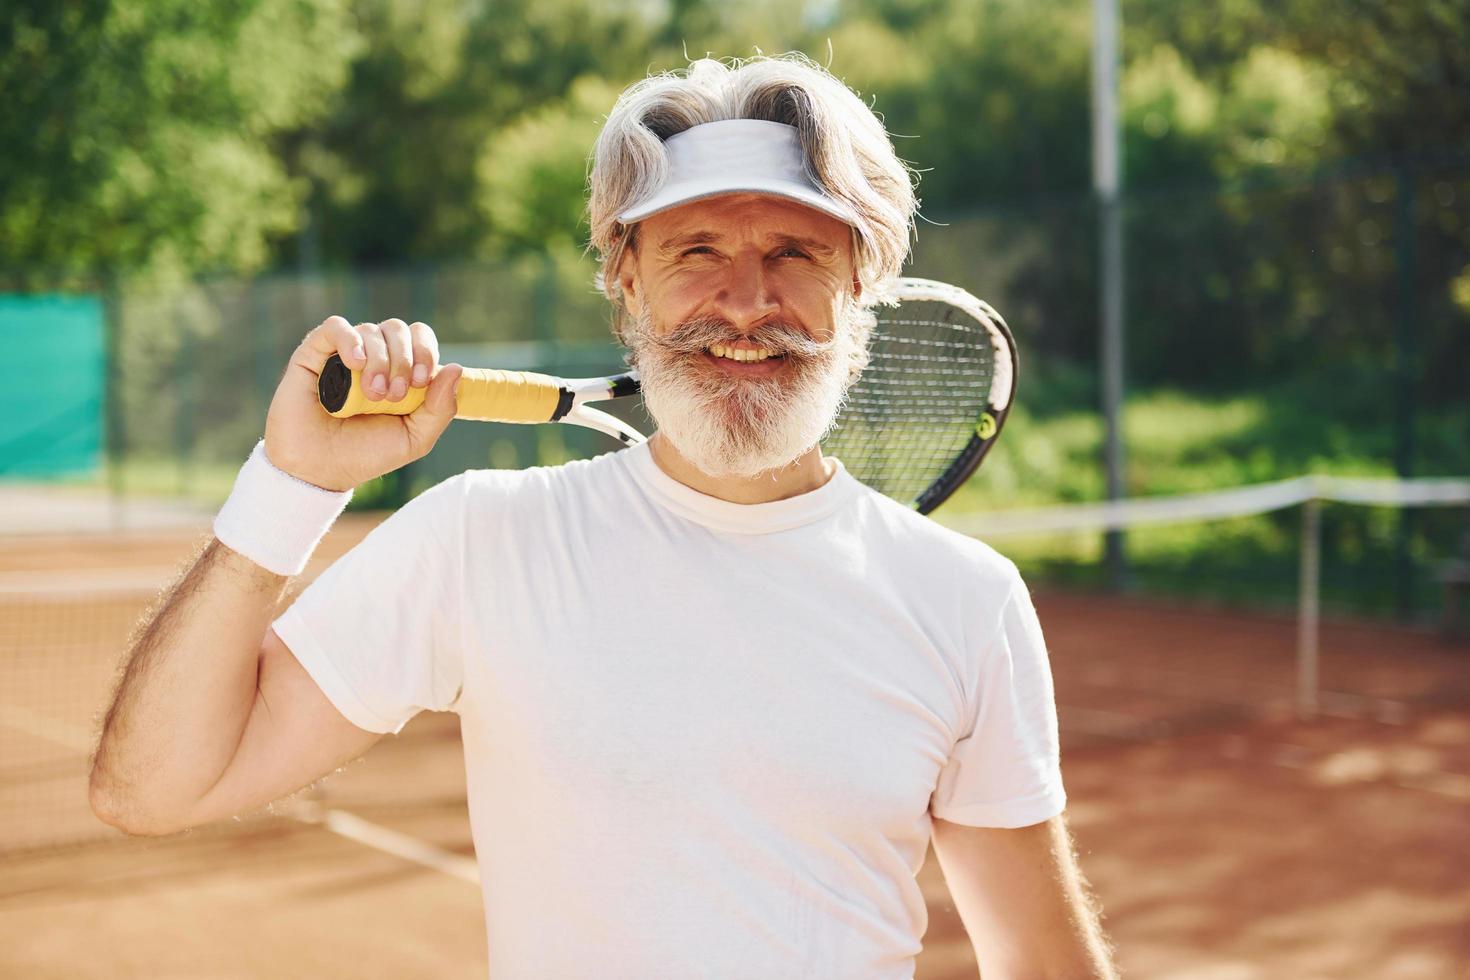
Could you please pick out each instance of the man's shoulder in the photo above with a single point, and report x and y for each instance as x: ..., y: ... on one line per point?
x: 561, y: 483
x: 915, y: 538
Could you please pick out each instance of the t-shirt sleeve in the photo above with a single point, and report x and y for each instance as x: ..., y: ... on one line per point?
x: 1006, y: 772
x: 379, y: 630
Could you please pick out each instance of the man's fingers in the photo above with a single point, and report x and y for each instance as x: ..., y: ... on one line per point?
x: 441, y: 397
x: 334, y: 335
x: 400, y: 357
x: 425, y: 353
x: 375, y: 374
x: 427, y: 422
x: 392, y: 356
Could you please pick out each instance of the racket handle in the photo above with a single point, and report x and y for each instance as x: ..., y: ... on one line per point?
x: 484, y: 395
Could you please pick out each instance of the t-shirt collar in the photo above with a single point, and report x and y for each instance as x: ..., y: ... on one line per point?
x: 724, y: 515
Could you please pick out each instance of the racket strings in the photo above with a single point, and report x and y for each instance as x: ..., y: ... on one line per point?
x: 915, y: 409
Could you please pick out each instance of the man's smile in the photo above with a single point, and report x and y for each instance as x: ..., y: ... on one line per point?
x: 737, y: 352
x: 744, y: 360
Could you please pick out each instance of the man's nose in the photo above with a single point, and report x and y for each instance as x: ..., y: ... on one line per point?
x: 746, y: 297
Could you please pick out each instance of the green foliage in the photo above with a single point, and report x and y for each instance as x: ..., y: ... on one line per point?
x: 987, y: 97
x: 1399, y: 70
x: 533, y: 173
x: 139, y: 134
x: 397, y: 171
x: 233, y: 136
x: 1271, y: 109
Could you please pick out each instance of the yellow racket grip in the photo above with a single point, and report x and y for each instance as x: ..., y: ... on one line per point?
x: 484, y: 395
x: 488, y: 395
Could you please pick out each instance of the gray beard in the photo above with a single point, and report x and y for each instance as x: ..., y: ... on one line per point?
x: 728, y: 426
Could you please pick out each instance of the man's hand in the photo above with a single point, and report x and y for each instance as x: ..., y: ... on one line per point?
x: 339, y: 454
x: 1023, y: 901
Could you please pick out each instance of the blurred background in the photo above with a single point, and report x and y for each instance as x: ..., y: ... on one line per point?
x: 1264, y: 692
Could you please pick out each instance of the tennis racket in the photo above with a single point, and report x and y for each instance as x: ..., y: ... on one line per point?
x: 935, y: 395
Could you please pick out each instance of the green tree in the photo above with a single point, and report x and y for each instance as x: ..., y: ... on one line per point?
x: 992, y: 92
x: 533, y: 173
x: 139, y: 134
x: 396, y: 171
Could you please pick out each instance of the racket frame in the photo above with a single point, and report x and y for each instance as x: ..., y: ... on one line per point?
x: 584, y: 392
x: 993, y: 415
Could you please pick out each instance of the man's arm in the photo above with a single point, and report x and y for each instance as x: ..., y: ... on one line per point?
x: 213, y: 715
x: 209, y: 718
x: 1023, y: 901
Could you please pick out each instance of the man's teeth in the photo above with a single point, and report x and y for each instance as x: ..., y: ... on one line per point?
x: 741, y: 354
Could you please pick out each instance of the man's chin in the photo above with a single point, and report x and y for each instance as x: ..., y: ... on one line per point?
x: 732, y: 460
x: 751, y: 470
x: 739, y: 415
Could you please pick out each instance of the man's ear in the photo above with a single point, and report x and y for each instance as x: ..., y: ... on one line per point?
x: 857, y: 287
x: 628, y: 282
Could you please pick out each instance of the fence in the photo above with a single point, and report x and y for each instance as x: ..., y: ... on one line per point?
x: 1316, y: 325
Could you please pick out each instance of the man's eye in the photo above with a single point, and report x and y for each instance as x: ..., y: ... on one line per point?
x: 794, y: 252
x: 697, y: 248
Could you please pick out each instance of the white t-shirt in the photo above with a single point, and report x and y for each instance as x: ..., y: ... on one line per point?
x: 702, y: 739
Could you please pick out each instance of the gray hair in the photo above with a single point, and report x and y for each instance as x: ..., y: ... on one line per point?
x: 846, y: 149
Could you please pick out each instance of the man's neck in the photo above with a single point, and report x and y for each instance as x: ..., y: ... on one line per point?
x: 805, y: 474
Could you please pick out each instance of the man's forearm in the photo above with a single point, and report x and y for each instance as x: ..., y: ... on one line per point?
x: 1085, y: 953
x: 1023, y: 900
x: 1075, y: 947
x: 185, y: 694
x: 1095, y: 952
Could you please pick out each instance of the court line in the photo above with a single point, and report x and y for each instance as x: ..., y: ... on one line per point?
x: 1452, y: 785
x: 22, y: 719
x: 59, y: 583
x: 379, y: 838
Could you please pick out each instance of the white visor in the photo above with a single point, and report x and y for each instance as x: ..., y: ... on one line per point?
x: 735, y: 156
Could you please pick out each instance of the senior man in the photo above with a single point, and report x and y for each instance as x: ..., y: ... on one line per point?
x: 716, y: 695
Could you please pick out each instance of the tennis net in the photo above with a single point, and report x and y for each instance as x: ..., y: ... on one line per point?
x: 59, y: 645
x: 1143, y: 668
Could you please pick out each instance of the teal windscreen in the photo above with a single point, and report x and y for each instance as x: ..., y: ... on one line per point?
x: 57, y: 370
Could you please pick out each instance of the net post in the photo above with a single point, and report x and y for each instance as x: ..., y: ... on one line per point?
x: 1308, y: 608
x: 114, y: 432
x: 1406, y: 376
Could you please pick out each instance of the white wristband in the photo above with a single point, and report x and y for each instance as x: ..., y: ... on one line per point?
x: 273, y: 518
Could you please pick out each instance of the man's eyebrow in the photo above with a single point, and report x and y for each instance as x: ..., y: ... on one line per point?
x: 681, y: 242
x: 685, y: 241
x: 811, y: 245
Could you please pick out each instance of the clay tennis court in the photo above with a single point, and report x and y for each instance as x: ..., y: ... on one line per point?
x: 1225, y: 839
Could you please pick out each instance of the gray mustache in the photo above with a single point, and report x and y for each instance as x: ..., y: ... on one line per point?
x: 694, y: 336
